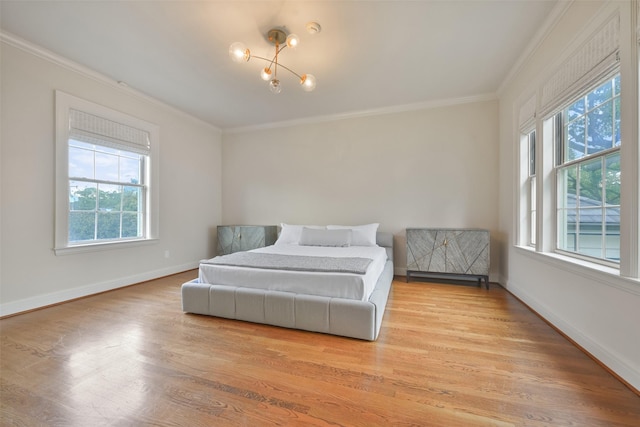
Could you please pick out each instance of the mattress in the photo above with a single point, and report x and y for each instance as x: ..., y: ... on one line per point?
x: 338, y: 285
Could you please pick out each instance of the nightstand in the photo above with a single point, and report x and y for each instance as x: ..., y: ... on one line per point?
x: 448, y: 252
x: 236, y: 238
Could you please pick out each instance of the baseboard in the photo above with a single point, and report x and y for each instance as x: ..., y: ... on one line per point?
x: 616, y: 365
x: 400, y: 271
x: 28, y: 304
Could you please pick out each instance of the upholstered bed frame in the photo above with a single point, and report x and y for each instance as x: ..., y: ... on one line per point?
x: 336, y: 316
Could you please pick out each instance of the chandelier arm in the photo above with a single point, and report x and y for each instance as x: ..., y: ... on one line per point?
x: 274, y: 60
x: 270, y: 61
x: 291, y: 71
x: 279, y: 64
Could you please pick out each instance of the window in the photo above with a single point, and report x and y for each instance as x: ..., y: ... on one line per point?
x: 587, y: 141
x: 106, y: 190
x: 531, y: 187
x: 106, y: 193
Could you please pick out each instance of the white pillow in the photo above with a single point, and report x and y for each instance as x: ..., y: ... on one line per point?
x: 319, y: 237
x: 362, y: 235
x: 290, y: 234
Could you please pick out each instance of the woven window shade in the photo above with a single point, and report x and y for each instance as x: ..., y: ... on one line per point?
x: 594, y: 60
x: 527, y: 115
x: 97, y: 130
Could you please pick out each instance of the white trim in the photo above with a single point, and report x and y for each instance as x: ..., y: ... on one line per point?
x: 366, y: 113
x: 527, y: 115
x: 611, y: 360
x: 40, y: 52
x: 40, y: 301
x: 103, y: 246
x: 629, y: 151
x: 605, y: 275
x: 45, y: 54
x: 587, y: 64
x: 544, y: 30
x: 64, y: 103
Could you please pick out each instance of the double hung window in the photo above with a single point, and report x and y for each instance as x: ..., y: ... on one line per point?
x: 107, y: 186
x: 531, y: 187
x: 587, y: 142
x: 105, y: 181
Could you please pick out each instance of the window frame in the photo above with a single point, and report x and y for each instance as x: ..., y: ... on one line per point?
x: 62, y: 246
x: 527, y: 235
x: 603, y: 47
x: 532, y: 194
x: 560, y: 164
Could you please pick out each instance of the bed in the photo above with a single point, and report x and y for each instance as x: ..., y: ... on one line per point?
x: 298, y: 298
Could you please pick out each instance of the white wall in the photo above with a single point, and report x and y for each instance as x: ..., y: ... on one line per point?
x: 434, y: 167
x: 600, y: 311
x: 31, y: 275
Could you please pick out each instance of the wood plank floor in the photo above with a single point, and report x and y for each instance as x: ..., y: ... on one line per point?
x: 447, y: 355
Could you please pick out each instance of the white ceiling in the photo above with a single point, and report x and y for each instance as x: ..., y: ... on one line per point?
x: 370, y: 55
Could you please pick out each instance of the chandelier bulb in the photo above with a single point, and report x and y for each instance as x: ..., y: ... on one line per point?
x: 265, y: 74
x: 293, y: 40
x: 308, y: 82
x: 274, y: 86
x: 239, y: 52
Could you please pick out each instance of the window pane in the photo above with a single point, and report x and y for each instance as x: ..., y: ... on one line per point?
x: 590, y: 232
x: 576, y: 110
x: 612, y: 179
x: 110, y: 197
x: 80, y: 163
x: 106, y: 167
x: 108, y: 225
x: 567, y: 213
x: 567, y: 178
x: 612, y: 240
x: 567, y: 229
x: 80, y: 144
x: 532, y: 237
x: 532, y: 193
x: 591, y: 183
x: 82, y: 226
x: 532, y: 204
x: 131, y: 199
x: 82, y: 196
x: 131, y: 225
x: 107, y: 150
x: 600, y: 128
x: 600, y: 95
x: 575, y: 139
x: 616, y: 85
x: 617, y: 140
x: 130, y: 170
x: 532, y: 153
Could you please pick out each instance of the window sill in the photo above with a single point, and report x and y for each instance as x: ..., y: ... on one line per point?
x: 601, y: 273
x: 105, y: 246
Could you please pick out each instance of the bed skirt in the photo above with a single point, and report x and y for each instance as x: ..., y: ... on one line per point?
x: 336, y: 316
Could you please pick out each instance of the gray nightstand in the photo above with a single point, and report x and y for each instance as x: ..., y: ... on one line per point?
x: 236, y: 238
x: 448, y: 252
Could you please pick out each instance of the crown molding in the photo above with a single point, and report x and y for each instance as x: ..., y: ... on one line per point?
x: 366, y: 113
x: 552, y: 20
x: 40, y: 52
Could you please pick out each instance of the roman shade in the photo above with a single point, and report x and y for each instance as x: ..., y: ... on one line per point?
x: 590, y: 63
x: 86, y: 127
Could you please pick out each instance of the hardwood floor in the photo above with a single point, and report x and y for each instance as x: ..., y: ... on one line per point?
x: 447, y: 355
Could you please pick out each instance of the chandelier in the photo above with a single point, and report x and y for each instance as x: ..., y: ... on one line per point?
x: 280, y: 39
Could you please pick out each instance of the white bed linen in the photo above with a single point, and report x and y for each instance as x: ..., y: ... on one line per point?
x: 339, y: 285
